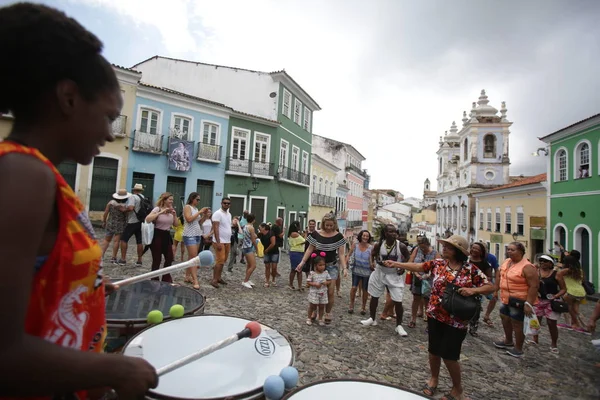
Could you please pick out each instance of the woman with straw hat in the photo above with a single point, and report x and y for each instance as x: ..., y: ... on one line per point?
x: 446, y: 331
x: 114, y: 221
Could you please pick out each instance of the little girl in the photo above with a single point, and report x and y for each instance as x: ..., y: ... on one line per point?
x: 318, y: 281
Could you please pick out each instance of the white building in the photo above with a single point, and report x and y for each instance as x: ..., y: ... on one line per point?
x: 470, y: 160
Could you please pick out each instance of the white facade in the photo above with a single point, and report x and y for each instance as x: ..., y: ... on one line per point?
x: 252, y: 92
x: 470, y: 160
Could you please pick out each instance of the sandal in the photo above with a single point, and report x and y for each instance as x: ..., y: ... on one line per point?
x: 448, y: 396
x: 412, y: 324
x: 531, y: 341
x: 328, y: 318
x: 351, y: 311
x: 429, y: 390
x: 309, y: 322
x: 554, y: 350
x: 488, y: 322
x: 363, y: 312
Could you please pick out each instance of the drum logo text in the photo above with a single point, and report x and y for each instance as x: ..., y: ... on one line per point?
x: 264, y: 346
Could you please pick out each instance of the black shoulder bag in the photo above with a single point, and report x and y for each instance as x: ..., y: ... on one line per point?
x: 457, y: 305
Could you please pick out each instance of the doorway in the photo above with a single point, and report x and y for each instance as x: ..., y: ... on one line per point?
x: 205, y: 190
x: 257, y: 207
x: 147, y: 181
x: 104, y: 182
x: 176, y: 186
x: 537, y: 249
x: 237, y: 206
x: 582, y: 243
x: 68, y: 169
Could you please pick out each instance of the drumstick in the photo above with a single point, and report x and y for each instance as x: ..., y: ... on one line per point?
x: 135, y: 279
x: 252, y: 330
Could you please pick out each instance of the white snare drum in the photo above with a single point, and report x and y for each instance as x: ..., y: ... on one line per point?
x: 127, y: 308
x: 237, y: 371
x: 349, y: 389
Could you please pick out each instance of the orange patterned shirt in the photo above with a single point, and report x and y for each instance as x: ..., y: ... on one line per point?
x: 67, y: 303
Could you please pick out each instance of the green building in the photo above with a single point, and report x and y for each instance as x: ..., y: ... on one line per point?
x: 574, y: 191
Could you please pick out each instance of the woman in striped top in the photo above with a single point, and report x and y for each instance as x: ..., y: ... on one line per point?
x: 332, y: 242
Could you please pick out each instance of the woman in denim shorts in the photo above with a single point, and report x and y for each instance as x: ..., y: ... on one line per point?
x: 249, y: 249
x: 271, y: 253
x: 191, y: 234
x: 329, y: 240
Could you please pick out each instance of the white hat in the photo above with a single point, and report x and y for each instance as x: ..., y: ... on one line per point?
x: 547, y: 258
x: 121, y: 194
x: 138, y: 186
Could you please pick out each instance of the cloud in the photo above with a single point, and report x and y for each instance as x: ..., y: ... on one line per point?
x: 392, y: 75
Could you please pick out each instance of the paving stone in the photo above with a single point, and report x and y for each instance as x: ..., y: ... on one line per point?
x: 347, y: 349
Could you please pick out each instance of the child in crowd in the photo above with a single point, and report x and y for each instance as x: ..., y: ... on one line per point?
x: 318, y: 281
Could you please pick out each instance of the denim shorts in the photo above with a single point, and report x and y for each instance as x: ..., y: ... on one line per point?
x: 191, y: 240
x: 515, y: 313
x: 247, y: 250
x: 295, y: 259
x: 334, y: 271
x: 272, y: 258
x: 357, y: 279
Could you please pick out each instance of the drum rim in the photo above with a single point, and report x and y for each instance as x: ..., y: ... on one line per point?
x: 293, y: 392
x: 125, y: 322
x: 245, y: 395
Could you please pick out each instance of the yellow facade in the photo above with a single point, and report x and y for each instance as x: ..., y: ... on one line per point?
x: 323, y: 188
x: 425, y: 215
x: 527, y: 208
x: 128, y: 80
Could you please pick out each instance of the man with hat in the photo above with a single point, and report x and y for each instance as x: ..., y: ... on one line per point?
x: 134, y: 225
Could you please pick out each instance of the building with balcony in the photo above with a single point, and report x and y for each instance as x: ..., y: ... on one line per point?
x: 95, y: 183
x: 350, y: 176
x: 514, y: 212
x: 323, y: 188
x: 269, y: 143
x: 471, y: 159
x: 176, y: 145
x: 573, y: 162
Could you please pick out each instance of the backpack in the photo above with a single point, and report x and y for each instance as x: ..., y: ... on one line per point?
x: 145, y: 208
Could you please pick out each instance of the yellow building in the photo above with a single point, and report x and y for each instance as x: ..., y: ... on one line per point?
x: 79, y: 176
x: 514, y: 212
x: 323, y: 188
x: 427, y: 215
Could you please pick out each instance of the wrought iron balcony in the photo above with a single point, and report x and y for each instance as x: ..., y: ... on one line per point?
x: 322, y: 200
x: 249, y: 167
x: 209, y: 152
x: 147, y: 142
x: 293, y: 175
x: 353, y: 224
x: 118, y: 126
x: 356, y: 169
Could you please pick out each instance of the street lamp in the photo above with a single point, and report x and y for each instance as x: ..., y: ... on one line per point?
x: 537, y: 152
x: 515, y: 235
x: 255, y: 183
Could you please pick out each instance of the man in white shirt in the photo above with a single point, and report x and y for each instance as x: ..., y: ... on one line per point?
x: 222, y: 240
x: 134, y: 226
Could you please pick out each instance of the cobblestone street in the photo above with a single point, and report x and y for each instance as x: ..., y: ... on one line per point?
x: 346, y: 349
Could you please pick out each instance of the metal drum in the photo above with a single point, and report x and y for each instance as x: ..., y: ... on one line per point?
x: 352, y: 389
x: 127, y: 308
x: 237, y: 371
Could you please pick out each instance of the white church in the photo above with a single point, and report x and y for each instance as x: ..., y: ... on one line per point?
x: 470, y: 160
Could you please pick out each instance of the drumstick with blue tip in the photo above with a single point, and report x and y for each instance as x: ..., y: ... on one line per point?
x: 204, y: 259
x: 252, y: 330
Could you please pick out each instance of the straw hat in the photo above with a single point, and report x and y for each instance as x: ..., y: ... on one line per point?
x: 121, y: 194
x: 459, y: 242
x: 138, y: 186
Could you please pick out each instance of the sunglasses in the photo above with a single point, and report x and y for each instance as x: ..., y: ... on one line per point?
x: 225, y: 204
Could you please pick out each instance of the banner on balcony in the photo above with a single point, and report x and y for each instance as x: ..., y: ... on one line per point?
x: 180, y: 154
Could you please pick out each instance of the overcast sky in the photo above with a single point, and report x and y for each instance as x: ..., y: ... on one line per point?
x: 391, y: 76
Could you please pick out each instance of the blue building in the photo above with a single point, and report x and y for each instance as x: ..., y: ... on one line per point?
x: 177, y: 145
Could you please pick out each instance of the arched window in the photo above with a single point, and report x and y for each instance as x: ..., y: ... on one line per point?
x: 489, y: 146
x: 466, y: 150
x: 326, y: 187
x: 582, y: 160
x: 560, y: 166
x: 320, y: 185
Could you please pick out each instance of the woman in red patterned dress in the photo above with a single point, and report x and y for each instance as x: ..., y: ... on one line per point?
x: 64, y: 96
x: 447, y: 332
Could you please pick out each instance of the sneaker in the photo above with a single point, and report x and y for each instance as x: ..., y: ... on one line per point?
x: 121, y: 262
x: 251, y: 283
x: 501, y: 345
x: 515, y: 353
x: 247, y: 285
x: 138, y: 264
x: 401, y: 331
x: 369, y: 322
x: 113, y: 260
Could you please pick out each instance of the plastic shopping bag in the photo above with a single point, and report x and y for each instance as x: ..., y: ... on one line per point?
x: 260, y: 250
x: 147, y: 233
x: 531, y: 325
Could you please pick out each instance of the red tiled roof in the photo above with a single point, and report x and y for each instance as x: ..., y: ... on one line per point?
x: 126, y: 69
x: 527, y: 180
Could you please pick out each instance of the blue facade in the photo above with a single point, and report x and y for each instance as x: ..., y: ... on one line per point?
x: 146, y: 165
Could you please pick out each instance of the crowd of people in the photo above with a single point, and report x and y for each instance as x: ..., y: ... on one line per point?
x: 64, y: 95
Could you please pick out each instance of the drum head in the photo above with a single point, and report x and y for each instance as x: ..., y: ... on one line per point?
x: 349, y: 389
x: 132, y: 303
x: 236, y: 371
